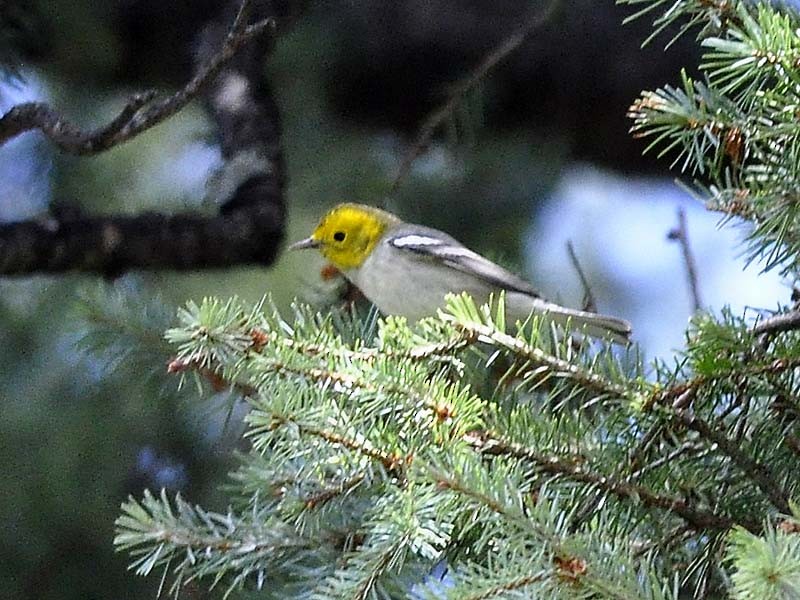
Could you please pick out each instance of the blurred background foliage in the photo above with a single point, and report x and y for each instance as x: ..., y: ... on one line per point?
x: 539, y: 154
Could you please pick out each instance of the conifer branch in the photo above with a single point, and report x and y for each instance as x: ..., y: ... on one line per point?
x: 378, y: 566
x: 513, y: 585
x: 393, y: 464
x: 446, y: 482
x: 205, y: 366
x: 571, y: 567
x: 217, y: 381
x: 502, y: 480
x: 512, y: 510
x: 681, y: 394
x: 759, y: 473
x: 324, y: 496
x: 387, y: 402
x: 422, y: 353
x: 699, y: 519
x: 687, y: 448
x: 707, y: 15
x: 348, y: 382
x: 539, y: 358
x: 211, y: 544
x: 764, y: 566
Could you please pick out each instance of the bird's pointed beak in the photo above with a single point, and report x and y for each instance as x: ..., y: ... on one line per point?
x: 309, y: 242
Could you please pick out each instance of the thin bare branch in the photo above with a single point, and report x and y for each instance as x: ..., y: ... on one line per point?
x: 681, y: 235
x: 589, y: 302
x: 460, y: 89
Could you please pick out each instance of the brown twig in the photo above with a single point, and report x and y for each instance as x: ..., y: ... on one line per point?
x: 681, y: 394
x: 680, y: 234
x: 215, y: 379
x: 460, y: 89
x: 136, y: 116
x: 325, y: 495
x: 779, y: 323
x: 589, y: 302
x: 392, y: 463
x: 514, y: 585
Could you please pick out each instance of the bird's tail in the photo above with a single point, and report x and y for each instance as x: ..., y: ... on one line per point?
x: 593, y: 324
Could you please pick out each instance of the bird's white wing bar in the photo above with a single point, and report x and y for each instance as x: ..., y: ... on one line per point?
x: 411, y: 241
x: 450, y: 253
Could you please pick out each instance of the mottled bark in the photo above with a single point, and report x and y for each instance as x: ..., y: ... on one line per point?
x: 249, y: 226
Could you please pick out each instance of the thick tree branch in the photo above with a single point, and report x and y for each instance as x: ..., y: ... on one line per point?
x: 111, y: 246
x: 250, y: 225
x: 138, y: 114
x: 778, y: 323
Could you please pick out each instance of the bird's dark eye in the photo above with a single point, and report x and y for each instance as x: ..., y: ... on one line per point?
x: 339, y: 236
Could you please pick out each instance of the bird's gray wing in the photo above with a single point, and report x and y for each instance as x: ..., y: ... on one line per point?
x: 434, y: 245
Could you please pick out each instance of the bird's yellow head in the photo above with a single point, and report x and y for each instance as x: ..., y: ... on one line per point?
x: 348, y: 234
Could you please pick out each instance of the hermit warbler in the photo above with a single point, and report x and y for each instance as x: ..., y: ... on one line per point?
x: 407, y: 270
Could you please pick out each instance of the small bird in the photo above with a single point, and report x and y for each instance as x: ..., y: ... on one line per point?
x: 407, y: 270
